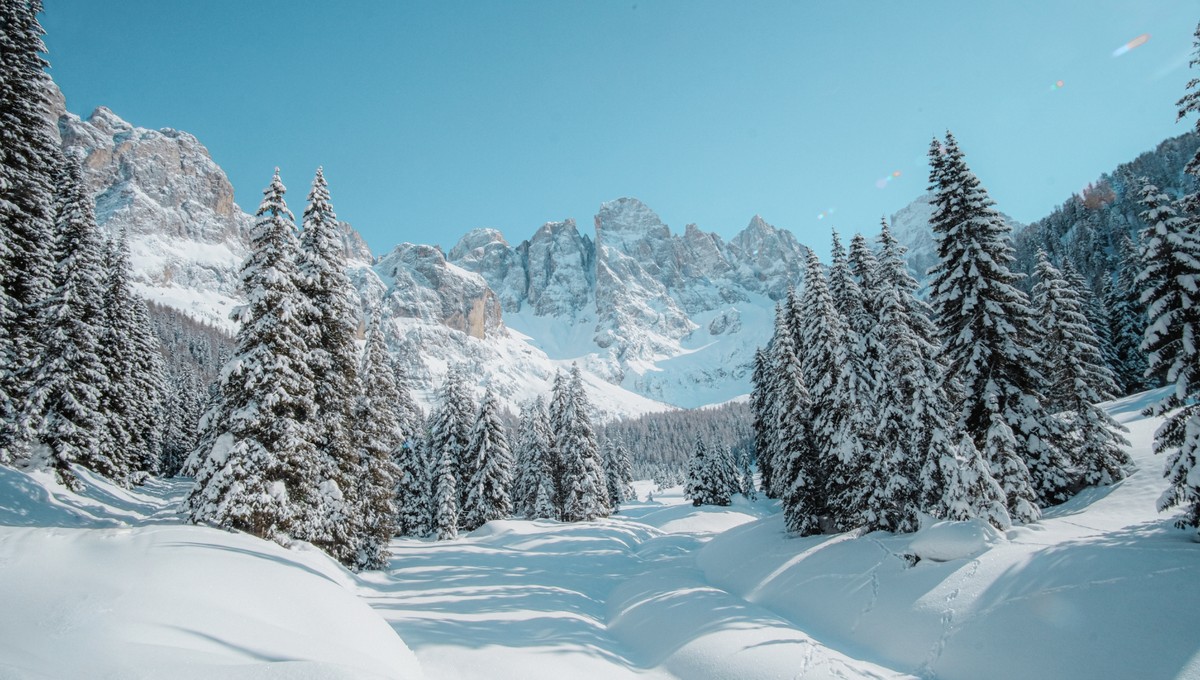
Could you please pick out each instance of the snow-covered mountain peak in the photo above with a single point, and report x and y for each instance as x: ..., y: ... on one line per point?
x: 423, y: 285
x: 476, y: 241
x: 628, y: 217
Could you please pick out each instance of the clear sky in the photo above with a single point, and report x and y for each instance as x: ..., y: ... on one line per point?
x: 435, y: 117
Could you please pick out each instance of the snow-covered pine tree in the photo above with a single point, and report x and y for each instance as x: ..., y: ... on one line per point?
x: 410, y: 418
x: 1078, y: 377
x: 620, y: 474
x: 525, y: 456
x: 488, y: 489
x: 1127, y: 316
x: 745, y: 474
x: 800, y: 475
x: 725, y: 475
x: 332, y: 318
x: 1009, y: 471
x: 377, y: 435
x: 916, y: 425
x: 695, y: 486
x: 67, y: 394
x: 910, y: 425
x: 416, y: 467
x: 986, y: 323
x: 450, y: 429
x: 151, y: 388
x: 532, y: 457
x: 893, y: 273
x: 611, y: 486
x: 543, y: 500
x: 817, y: 471
x: 1170, y: 256
x: 557, y: 415
x: 444, y: 503
x: 28, y: 164
x: 585, y: 496
x: 970, y: 489
x: 1169, y: 281
x: 761, y: 402
x: 859, y: 375
x: 136, y: 390
x: 1092, y: 307
x: 786, y: 404
x: 261, y: 472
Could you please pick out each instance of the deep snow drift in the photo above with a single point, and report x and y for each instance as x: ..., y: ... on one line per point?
x: 108, y: 584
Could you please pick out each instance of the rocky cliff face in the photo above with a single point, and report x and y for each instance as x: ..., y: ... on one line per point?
x: 187, y: 237
x: 422, y: 285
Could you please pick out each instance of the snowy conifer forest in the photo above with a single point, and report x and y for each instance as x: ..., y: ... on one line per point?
x: 260, y: 450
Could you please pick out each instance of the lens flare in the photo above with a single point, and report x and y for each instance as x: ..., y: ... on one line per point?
x: 1058, y: 84
x: 882, y: 182
x: 824, y: 213
x: 1132, y: 44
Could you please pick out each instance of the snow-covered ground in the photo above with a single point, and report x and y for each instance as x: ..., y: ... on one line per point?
x: 108, y: 584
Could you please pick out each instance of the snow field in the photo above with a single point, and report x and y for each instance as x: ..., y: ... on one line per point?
x: 108, y: 584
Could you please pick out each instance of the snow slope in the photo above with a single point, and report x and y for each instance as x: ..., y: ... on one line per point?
x: 108, y: 584
x: 1103, y: 586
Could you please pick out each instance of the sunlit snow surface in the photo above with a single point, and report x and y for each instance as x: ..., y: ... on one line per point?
x: 109, y: 585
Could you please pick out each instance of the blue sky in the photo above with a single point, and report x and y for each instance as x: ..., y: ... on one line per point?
x: 432, y: 118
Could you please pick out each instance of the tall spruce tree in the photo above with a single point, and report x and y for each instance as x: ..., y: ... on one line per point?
x: 557, y: 413
x: 1094, y: 311
x: 1009, y: 470
x: 488, y: 488
x: 332, y: 319
x: 797, y: 470
x: 585, y: 495
x: 67, y: 393
x: 818, y: 472
x: 29, y: 159
x: 450, y: 428
x: 694, y: 488
x: 136, y: 394
x: 532, y: 455
x: 618, y: 473
x: 444, y: 503
x: 986, y: 324
x: 761, y: 410
x: 378, y: 434
x: 414, y: 494
x: 261, y: 472
x: 859, y: 382
x: 1127, y: 316
x: 1078, y: 376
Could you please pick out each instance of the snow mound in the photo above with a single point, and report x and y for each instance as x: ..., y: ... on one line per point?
x: 108, y: 584
x: 946, y: 541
